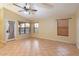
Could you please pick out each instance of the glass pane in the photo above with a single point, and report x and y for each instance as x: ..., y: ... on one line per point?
x: 27, y: 25
x: 36, y: 26
x: 22, y: 25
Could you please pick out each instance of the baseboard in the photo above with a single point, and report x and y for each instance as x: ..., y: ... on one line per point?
x: 55, y: 40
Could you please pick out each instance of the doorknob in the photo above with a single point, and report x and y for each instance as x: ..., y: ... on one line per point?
x: 7, y: 31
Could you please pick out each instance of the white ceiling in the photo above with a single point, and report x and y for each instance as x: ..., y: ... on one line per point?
x: 47, y: 9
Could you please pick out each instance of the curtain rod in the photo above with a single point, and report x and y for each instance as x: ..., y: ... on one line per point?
x: 64, y: 18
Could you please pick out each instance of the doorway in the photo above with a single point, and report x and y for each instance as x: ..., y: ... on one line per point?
x: 10, y: 30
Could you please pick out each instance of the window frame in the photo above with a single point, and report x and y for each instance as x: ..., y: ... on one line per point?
x: 24, y: 29
x: 36, y: 28
x: 67, y: 28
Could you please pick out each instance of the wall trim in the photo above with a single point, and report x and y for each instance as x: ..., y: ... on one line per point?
x: 55, y: 40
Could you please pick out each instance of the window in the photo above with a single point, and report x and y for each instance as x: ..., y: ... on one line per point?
x: 27, y: 26
x: 62, y: 27
x: 24, y: 27
x: 36, y: 26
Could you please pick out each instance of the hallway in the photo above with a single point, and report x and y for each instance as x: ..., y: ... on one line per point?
x: 38, y: 47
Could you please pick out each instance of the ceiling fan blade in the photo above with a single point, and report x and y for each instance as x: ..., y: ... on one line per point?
x: 17, y: 5
x: 34, y: 10
x: 21, y: 10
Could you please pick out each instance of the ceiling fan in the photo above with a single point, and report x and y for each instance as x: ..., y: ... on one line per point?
x: 27, y: 7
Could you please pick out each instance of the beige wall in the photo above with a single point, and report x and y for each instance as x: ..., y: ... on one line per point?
x: 48, y: 30
x: 1, y: 25
x: 77, y: 27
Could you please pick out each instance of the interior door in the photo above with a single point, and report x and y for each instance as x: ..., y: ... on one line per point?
x: 10, y: 30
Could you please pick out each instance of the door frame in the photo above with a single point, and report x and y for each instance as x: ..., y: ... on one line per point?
x: 6, y: 35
